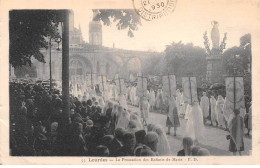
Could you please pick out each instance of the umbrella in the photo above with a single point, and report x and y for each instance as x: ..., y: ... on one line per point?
x: 217, y: 86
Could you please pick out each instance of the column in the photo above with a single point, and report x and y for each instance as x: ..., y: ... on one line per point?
x: 65, y: 66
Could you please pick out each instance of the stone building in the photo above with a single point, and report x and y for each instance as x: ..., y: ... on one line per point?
x: 90, y: 57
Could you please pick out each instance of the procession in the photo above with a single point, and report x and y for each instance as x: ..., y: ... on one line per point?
x: 99, y: 106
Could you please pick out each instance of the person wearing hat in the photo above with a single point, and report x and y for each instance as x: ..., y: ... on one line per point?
x: 89, y: 125
x: 139, y: 136
x: 187, y: 143
x: 203, y: 152
x: 151, y: 143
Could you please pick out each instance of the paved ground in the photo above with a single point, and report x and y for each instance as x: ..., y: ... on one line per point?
x: 215, y: 138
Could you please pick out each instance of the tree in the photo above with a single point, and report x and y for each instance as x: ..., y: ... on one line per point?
x: 243, y: 55
x: 124, y: 19
x: 28, y: 32
x: 243, y: 62
x: 22, y: 71
x: 181, y: 59
x: 152, y: 65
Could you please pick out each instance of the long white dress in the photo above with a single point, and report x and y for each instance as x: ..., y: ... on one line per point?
x: 123, y: 120
x: 163, y: 147
x: 204, y: 105
x: 187, y: 112
x: 145, y: 108
x: 195, y: 126
x: 178, y: 100
x: 132, y: 96
x: 122, y: 101
x: 136, y: 118
x: 214, y: 114
x: 152, y: 99
x: 219, y: 111
x: 182, y: 106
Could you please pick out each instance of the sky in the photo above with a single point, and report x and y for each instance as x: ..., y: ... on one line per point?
x: 187, y: 23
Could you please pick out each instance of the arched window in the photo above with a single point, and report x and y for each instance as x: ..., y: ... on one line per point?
x: 76, y: 68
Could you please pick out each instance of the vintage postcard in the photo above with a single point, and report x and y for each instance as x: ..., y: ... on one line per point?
x: 129, y: 82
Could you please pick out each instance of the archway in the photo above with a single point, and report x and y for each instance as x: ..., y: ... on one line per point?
x: 134, y: 65
x: 79, y: 67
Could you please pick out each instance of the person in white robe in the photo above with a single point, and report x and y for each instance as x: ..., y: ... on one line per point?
x: 132, y: 95
x: 178, y: 100
x: 195, y: 126
x: 188, y: 109
x: 122, y: 101
x: 236, y: 129
x: 182, y: 106
x: 123, y: 120
x: 137, y: 101
x: 152, y: 100
x: 204, y: 105
x: 144, y: 109
x: 102, y: 104
x: 163, y: 147
x: 115, y: 93
x: 219, y: 110
x: 92, y: 92
x: 214, y: 114
x: 139, y: 125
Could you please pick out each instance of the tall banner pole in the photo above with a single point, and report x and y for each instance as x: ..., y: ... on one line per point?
x: 169, y: 85
x: 102, y: 82
x: 91, y: 79
x: 119, y: 86
x: 234, y: 92
x: 190, y: 90
x: 142, y: 84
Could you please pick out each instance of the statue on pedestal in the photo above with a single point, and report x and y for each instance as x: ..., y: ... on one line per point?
x: 215, y: 37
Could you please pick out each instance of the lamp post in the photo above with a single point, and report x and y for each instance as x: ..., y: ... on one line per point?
x: 57, y: 40
x: 50, y: 65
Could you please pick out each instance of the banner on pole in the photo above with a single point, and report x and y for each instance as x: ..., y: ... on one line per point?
x: 169, y: 85
x: 102, y: 83
x: 189, y: 86
x: 141, y: 90
x: 235, y: 93
x: 120, y: 85
x: 91, y: 79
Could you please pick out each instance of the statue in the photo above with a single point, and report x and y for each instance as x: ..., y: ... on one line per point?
x: 215, y: 37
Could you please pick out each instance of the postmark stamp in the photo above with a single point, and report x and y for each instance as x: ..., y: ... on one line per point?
x: 154, y: 9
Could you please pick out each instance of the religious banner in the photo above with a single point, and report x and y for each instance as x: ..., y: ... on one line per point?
x: 131, y: 77
x: 169, y: 85
x: 189, y: 86
x: 102, y: 83
x: 141, y: 90
x: 91, y: 79
x: 120, y: 83
x: 234, y: 93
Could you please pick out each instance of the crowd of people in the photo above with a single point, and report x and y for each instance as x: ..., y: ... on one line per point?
x: 102, y: 125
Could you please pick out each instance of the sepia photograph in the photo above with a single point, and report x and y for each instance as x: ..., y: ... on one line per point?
x: 157, y: 79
